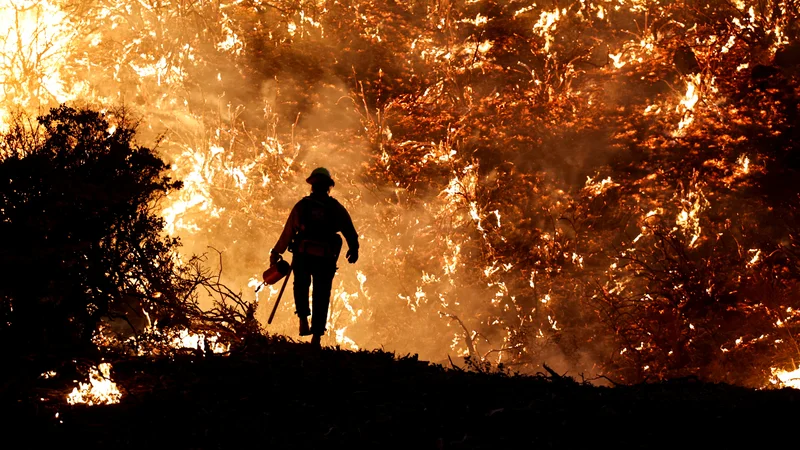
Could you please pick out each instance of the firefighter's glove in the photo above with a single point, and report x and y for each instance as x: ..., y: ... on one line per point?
x: 352, y: 256
x: 274, y: 257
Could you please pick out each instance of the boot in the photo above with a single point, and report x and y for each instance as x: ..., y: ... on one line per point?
x: 315, y: 341
x: 305, y: 330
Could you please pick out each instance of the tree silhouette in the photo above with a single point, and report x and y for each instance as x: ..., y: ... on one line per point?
x: 80, y: 239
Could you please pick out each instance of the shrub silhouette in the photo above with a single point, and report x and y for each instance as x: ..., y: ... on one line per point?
x: 80, y: 240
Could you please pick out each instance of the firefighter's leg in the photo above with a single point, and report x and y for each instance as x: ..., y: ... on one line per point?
x: 302, y: 282
x: 323, y: 282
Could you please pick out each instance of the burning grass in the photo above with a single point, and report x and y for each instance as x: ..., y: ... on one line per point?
x: 100, y: 390
x: 462, y: 135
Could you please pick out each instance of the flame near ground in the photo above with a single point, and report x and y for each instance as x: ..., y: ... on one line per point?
x: 100, y: 390
x: 582, y: 183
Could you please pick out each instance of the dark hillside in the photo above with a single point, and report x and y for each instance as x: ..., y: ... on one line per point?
x: 285, y: 395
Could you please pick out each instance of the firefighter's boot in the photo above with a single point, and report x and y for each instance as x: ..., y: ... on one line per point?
x: 305, y: 330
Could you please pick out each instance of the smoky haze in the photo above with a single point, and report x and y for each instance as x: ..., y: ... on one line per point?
x: 530, y: 183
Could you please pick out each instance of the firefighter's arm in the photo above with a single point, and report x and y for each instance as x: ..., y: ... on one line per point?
x: 286, y: 236
x: 350, y: 235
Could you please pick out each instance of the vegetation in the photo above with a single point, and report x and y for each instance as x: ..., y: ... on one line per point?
x: 81, y: 240
x: 286, y: 395
x: 599, y: 185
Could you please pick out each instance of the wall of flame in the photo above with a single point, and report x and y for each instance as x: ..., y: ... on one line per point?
x: 569, y: 183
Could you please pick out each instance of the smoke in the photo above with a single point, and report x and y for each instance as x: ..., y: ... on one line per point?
x: 429, y: 280
x: 510, y: 168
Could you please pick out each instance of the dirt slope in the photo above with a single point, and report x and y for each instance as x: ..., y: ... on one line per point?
x: 285, y: 395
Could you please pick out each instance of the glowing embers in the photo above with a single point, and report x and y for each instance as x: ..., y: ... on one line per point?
x: 546, y: 25
x: 308, y: 23
x: 185, y: 339
x: 231, y: 41
x: 468, y: 55
x: 743, y: 167
x: 462, y: 188
x: 154, y: 341
x: 616, y: 58
x: 596, y: 188
x: 688, y: 219
x: 634, y: 52
x: 734, y: 173
x: 100, y: 390
x: 755, y: 257
x: 687, y: 104
x: 158, y: 341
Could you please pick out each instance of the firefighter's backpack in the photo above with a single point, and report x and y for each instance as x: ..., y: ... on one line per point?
x: 318, y: 229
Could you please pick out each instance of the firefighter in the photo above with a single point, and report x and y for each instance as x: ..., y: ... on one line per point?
x: 311, y: 234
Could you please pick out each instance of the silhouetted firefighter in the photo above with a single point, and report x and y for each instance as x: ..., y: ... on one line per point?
x: 311, y: 234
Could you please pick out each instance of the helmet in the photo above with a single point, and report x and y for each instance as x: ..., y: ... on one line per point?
x: 320, y: 175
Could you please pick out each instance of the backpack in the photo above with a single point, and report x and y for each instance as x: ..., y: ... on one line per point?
x: 318, y: 228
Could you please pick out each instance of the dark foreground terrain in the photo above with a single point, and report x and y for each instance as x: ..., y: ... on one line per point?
x: 286, y: 395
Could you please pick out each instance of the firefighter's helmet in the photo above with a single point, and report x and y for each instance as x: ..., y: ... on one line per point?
x: 320, y: 175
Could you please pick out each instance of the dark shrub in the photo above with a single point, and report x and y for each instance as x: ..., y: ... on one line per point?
x: 80, y: 239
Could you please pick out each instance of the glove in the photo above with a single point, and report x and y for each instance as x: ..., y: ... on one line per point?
x: 352, y: 256
x: 274, y: 257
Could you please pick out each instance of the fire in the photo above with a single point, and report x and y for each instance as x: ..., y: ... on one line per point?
x: 689, y: 216
x: 598, y: 187
x: 100, y: 390
x: 37, y: 37
x: 547, y: 23
x: 756, y: 256
x: 190, y: 340
x: 744, y: 165
x: 785, y: 378
x: 687, y: 104
x: 620, y: 160
x: 155, y: 340
x: 341, y: 339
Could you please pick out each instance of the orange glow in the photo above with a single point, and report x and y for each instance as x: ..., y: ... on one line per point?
x: 516, y: 177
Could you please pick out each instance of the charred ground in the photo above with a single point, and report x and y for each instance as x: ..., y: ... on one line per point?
x: 281, y: 394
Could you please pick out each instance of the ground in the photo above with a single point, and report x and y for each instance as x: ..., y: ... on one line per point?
x: 287, y: 395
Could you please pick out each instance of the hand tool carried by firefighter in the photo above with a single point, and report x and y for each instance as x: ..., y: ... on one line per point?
x: 273, y: 275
